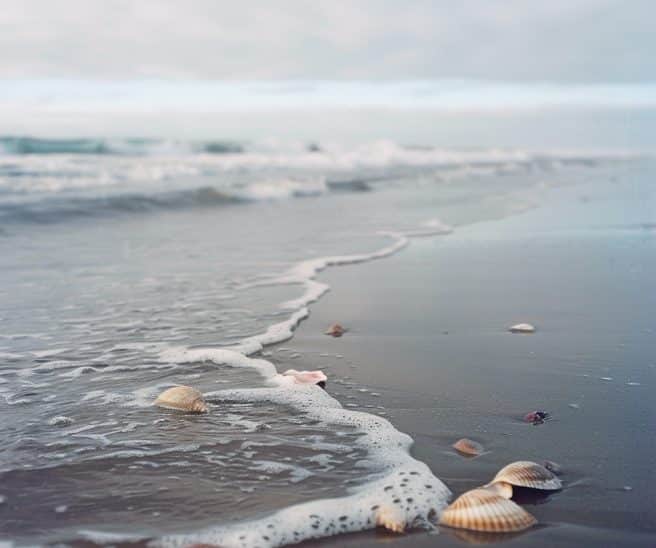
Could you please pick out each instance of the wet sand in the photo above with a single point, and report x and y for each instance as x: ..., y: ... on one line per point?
x: 428, y: 347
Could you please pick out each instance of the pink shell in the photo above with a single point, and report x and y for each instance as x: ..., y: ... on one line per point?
x: 306, y: 377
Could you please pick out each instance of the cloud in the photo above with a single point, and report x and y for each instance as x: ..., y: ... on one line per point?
x: 575, y: 40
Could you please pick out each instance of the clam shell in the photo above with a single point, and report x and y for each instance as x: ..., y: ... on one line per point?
x: 335, y: 330
x: 468, y: 447
x: 182, y: 398
x: 483, y: 510
x: 522, y: 328
x: 528, y: 474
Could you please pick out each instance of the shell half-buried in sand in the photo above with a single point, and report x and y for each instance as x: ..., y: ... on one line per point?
x: 485, y: 510
x: 468, y: 447
x: 182, y: 398
x: 522, y: 328
x: 528, y: 474
x: 335, y: 330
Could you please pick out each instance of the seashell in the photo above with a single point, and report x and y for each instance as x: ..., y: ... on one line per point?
x: 308, y: 377
x: 182, y: 398
x: 483, y: 510
x: 392, y: 518
x: 553, y: 467
x: 537, y: 417
x: 528, y: 474
x: 468, y: 447
x: 335, y: 330
x: 500, y: 488
x: 522, y: 328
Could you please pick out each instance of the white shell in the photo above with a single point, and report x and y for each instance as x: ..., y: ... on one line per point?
x: 306, y: 377
x: 528, y: 474
x: 522, y: 328
x: 468, y: 447
x: 484, y: 510
x: 182, y: 398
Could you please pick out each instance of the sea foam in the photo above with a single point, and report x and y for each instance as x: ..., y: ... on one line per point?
x: 402, y: 489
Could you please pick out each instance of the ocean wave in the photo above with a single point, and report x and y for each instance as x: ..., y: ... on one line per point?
x: 58, y: 208
x: 12, y: 145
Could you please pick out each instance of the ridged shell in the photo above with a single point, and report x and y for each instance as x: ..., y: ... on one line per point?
x: 522, y: 328
x: 182, y: 398
x: 392, y: 518
x: 335, y: 330
x: 468, y: 447
x: 484, y: 510
x: 528, y: 474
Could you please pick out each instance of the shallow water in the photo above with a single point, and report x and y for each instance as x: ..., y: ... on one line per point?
x: 115, y: 270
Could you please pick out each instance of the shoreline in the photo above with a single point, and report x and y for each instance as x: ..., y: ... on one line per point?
x: 591, y: 508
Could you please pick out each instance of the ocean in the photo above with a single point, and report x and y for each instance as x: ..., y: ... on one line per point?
x: 133, y: 264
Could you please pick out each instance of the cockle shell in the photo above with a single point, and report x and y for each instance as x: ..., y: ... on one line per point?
x: 307, y: 377
x: 392, y: 518
x: 528, y: 474
x: 522, y: 328
x: 183, y: 398
x: 335, y: 330
x: 484, y: 510
x: 468, y: 447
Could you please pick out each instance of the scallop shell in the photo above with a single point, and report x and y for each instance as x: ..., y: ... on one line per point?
x: 522, y: 328
x: 392, y: 518
x: 335, y: 330
x: 307, y: 377
x: 528, y: 474
x: 183, y: 398
x: 468, y: 447
x: 483, y: 510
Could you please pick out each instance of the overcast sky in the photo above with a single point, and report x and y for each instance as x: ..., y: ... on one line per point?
x: 554, y: 40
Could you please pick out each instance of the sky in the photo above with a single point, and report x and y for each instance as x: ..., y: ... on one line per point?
x: 563, y: 41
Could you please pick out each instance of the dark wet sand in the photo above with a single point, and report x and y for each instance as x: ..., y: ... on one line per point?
x: 428, y: 334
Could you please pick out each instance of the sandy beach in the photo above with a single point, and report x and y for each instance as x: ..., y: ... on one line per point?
x: 428, y: 348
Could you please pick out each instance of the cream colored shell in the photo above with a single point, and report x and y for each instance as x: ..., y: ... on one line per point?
x: 182, y: 398
x: 528, y: 474
x: 484, y: 510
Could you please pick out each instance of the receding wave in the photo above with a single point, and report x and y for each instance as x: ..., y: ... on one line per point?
x: 57, y: 208
x: 52, y: 210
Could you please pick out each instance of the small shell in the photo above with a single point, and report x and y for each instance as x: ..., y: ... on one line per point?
x: 468, y: 447
x: 392, y: 518
x: 183, y: 398
x: 537, y: 417
x: 522, y: 328
x: 484, y: 510
x: 335, y: 330
x: 528, y: 474
x: 307, y: 377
